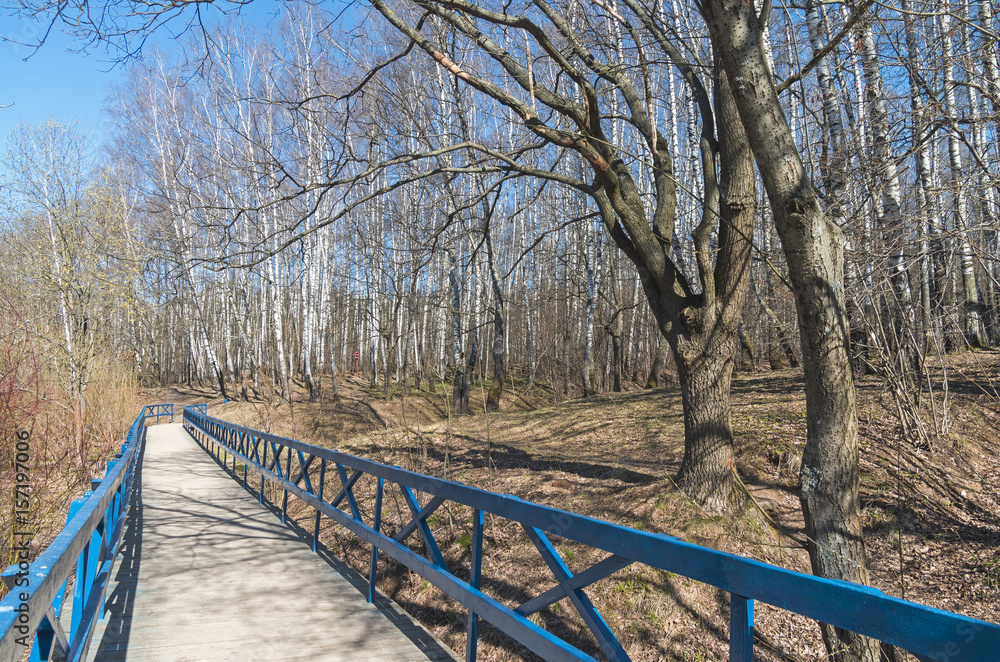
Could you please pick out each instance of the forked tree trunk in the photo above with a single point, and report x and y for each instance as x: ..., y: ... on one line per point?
x: 689, y: 317
x: 705, y: 355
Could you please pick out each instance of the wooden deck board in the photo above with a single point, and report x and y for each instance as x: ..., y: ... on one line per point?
x: 206, y: 573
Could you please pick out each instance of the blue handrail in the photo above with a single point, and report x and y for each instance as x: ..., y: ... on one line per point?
x: 30, y: 613
x: 930, y: 634
x: 159, y: 411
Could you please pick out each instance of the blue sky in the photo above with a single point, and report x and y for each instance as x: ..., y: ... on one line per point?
x: 53, y: 82
x: 56, y: 82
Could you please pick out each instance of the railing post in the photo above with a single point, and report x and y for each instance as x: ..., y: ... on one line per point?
x: 80, y: 584
x: 475, y: 577
x: 262, y: 464
x: 108, y: 530
x: 288, y: 476
x: 319, y: 495
x: 740, y: 628
x: 373, y: 571
x: 113, y: 506
x: 45, y: 634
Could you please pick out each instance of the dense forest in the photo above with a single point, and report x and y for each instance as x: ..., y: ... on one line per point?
x: 589, y: 197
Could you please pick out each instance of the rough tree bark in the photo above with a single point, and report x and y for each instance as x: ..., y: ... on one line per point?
x: 499, y: 364
x: 814, y: 250
x: 659, y: 363
x: 460, y: 403
x: 705, y: 358
x: 700, y: 320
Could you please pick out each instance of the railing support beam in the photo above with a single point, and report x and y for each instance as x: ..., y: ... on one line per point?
x: 475, y: 579
x: 740, y: 629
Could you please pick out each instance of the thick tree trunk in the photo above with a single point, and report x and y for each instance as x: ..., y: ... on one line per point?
x: 499, y: 335
x: 705, y: 355
x: 707, y: 471
x: 705, y: 338
x: 813, y: 247
x: 659, y: 362
x: 616, y: 353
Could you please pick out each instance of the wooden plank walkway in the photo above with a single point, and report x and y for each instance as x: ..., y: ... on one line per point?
x: 206, y: 573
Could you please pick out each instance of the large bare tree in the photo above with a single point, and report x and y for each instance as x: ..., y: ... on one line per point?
x: 565, y: 86
x: 814, y: 250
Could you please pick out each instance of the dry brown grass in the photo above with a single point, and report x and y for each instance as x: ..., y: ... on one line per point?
x: 56, y: 477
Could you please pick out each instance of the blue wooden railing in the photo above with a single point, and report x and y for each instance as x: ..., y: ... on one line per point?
x: 31, y: 613
x: 320, y: 477
x: 159, y: 411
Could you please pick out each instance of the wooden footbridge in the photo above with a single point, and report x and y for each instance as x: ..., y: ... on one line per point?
x: 178, y: 555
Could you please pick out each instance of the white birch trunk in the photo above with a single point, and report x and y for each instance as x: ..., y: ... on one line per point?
x: 973, y: 328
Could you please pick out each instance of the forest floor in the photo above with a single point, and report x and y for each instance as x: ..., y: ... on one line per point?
x: 930, y: 508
